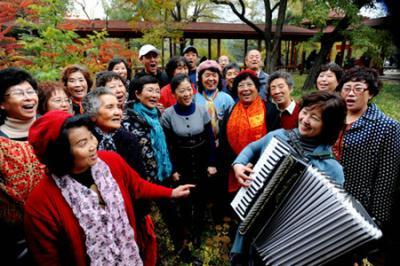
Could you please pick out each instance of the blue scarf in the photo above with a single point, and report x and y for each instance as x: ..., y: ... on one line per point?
x: 157, y: 138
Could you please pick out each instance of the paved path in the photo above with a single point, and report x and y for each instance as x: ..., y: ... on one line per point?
x: 392, y: 74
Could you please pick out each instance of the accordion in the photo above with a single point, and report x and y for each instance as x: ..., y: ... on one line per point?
x: 295, y: 214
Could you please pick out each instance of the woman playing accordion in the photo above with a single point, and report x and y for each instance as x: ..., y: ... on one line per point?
x: 321, y: 117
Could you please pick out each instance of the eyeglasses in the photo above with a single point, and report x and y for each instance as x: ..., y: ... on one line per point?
x: 18, y: 93
x: 246, y: 85
x: 61, y: 100
x: 357, y: 89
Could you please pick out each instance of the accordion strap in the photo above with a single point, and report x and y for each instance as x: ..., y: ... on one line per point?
x: 294, y: 140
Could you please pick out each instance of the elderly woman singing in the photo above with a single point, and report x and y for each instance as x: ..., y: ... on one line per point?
x: 82, y: 212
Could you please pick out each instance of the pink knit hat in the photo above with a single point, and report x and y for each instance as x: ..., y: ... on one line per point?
x: 209, y: 64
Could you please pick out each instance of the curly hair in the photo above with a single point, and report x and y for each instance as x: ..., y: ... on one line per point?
x: 368, y: 75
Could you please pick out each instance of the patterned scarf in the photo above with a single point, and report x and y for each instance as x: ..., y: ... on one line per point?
x: 109, y: 236
x: 246, y: 125
x: 107, y: 140
x: 158, y: 142
x: 20, y: 172
x: 212, y: 110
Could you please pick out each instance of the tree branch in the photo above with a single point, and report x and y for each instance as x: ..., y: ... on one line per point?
x: 240, y: 15
x: 275, y: 6
x: 83, y: 9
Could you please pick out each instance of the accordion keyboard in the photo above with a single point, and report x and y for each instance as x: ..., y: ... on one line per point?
x: 262, y: 170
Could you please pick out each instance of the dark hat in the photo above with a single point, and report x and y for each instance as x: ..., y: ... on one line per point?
x: 189, y: 48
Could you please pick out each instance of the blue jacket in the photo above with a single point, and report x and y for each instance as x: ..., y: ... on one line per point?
x: 263, y: 77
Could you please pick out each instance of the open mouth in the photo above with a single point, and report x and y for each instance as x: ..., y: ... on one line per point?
x: 323, y: 85
x: 28, y: 106
x: 93, y: 156
x: 211, y: 83
x: 120, y: 98
x: 116, y: 119
x: 246, y: 94
x: 154, y: 102
x: 350, y: 101
x: 79, y: 91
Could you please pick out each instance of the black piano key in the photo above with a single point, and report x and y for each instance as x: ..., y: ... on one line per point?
x: 240, y: 209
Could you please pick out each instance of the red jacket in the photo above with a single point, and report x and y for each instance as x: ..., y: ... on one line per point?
x: 53, y: 232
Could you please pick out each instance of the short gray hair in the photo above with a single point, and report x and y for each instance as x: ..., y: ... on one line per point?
x: 91, y: 102
x: 283, y: 75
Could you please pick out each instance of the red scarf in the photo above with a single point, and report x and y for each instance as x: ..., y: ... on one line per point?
x: 245, y: 125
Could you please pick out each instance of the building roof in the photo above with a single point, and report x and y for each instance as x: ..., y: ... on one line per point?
x: 123, y: 29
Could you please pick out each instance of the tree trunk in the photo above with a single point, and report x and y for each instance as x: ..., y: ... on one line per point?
x: 320, y: 60
x: 327, y: 41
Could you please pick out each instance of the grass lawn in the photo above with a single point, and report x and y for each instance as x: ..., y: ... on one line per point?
x: 388, y: 100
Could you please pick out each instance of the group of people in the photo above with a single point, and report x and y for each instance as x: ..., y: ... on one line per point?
x: 84, y: 163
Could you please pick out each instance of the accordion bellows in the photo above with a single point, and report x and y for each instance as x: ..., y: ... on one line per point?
x: 315, y: 222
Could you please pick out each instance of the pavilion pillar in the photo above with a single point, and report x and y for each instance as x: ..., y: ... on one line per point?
x: 295, y: 54
x: 127, y: 43
x: 292, y: 54
x: 279, y: 54
x: 259, y: 45
x: 349, y: 50
x: 246, y: 44
x: 287, y: 47
x: 170, y: 46
x: 162, y: 52
x: 209, y: 48
x: 218, y: 48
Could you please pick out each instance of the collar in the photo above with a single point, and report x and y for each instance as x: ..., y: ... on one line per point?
x: 185, y: 110
x: 371, y: 114
x: 290, y: 108
x: 16, y: 128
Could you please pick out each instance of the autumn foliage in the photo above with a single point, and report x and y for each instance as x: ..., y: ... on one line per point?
x: 34, y: 35
x: 9, y: 11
